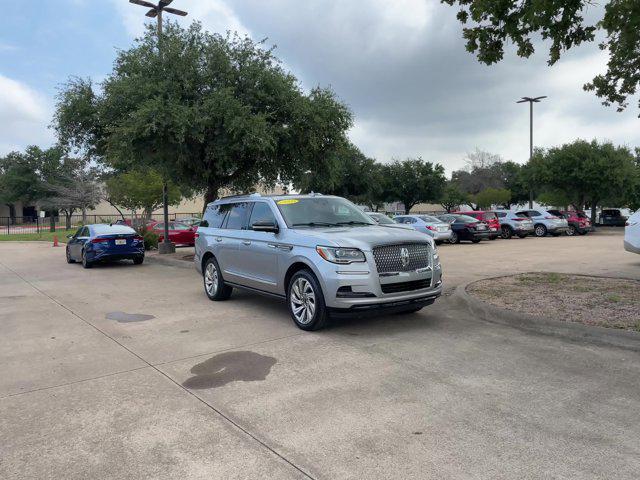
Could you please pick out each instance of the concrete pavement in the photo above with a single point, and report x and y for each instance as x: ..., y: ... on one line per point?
x: 438, y: 394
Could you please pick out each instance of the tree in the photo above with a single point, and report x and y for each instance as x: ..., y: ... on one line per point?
x: 587, y: 172
x: 562, y: 25
x: 211, y: 112
x: 483, y: 170
x: 136, y: 190
x: 19, y: 178
x: 349, y: 174
x: 492, y: 196
x: 413, y: 181
x: 515, y: 180
x: 452, y: 197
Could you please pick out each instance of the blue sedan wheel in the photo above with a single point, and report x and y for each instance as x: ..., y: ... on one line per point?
x: 86, y: 263
x: 69, y: 259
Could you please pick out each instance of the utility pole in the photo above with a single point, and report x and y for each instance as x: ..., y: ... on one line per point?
x: 531, y: 101
x: 156, y: 11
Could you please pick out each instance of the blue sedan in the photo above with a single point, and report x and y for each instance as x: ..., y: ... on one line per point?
x: 101, y: 242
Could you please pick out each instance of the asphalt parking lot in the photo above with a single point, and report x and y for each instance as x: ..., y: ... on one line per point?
x: 128, y: 371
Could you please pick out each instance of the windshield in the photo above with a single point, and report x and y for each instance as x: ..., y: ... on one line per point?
x: 321, y: 212
x: 382, y: 219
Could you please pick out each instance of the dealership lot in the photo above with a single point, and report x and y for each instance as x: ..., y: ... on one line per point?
x: 129, y: 371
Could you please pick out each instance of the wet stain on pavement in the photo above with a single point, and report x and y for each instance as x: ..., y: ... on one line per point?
x: 123, y: 317
x: 241, y: 366
x: 184, y: 331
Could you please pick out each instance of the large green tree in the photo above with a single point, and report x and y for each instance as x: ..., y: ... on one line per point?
x: 452, y: 197
x: 587, y: 173
x: 563, y: 24
x: 208, y: 111
x: 414, y: 181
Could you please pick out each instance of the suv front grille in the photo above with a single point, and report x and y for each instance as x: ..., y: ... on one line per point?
x: 389, y: 258
x: 405, y: 286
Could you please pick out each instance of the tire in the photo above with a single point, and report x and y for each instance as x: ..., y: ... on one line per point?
x: 214, y: 285
x: 138, y: 260
x: 540, y: 230
x: 68, y: 255
x: 476, y: 240
x: 306, y: 301
x: 85, y: 263
x: 506, y: 232
x: 454, y: 238
x: 571, y: 231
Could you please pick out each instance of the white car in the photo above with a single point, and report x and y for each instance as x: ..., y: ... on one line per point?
x: 632, y: 233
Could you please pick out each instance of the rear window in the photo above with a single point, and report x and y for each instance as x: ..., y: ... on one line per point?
x: 112, y: 230
x: 466, y: 219
x: 501, y: 214
x: 490, y: 216
x: 214, y: 215
x: 581, y: 215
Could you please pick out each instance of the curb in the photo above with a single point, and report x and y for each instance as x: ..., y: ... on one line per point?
x: 171, y: 262
x: 575, y: 332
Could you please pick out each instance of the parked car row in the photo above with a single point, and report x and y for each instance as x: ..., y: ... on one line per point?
x: 476, y: 226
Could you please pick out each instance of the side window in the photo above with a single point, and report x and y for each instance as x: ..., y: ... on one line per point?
x: 78, y: 233
x: 411, y: 220
x: 237, y: 218
x: 84, y: 232
x: 214, y: 215
x: 533, y: 213
x: 179, y: 226
x: 261, y: 212
x: 501, y: 214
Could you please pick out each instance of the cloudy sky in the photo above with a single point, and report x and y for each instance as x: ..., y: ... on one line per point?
x: 401, y: 66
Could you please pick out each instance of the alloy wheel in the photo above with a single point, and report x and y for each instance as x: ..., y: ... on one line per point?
x: 571, y: 231
x: 541, y: 231
x: 453, y: 238
x: 211, y: 279
x: 303, y: 301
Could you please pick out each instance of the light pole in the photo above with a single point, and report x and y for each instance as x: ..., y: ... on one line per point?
x: 531, y: 101
x: 156, y: 11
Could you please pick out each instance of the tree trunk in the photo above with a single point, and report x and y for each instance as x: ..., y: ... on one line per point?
x: 67, y: 223
x: 210, y: 195
x: 407, y: 207
x: 84, y: 215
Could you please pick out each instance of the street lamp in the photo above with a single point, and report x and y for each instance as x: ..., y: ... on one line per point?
x: 531, y: 101
x: 156, y: 11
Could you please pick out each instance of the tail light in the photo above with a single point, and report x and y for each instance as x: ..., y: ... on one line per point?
x: 551, y: 217
x: 431, y: 227
x: 99, y: 240
x: 196, y: 235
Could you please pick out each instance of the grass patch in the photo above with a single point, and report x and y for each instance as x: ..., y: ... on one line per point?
x: 36, y: 237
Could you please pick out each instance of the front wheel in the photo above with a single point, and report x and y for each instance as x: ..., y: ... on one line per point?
x: 571, y: 231
x: 214, y: 285
x: 453, y: 239
x: 69, y: 259
x: 506, y: 232
x: 306, y: 301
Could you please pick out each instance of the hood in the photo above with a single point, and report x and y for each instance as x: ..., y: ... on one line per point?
x: 362, y: 237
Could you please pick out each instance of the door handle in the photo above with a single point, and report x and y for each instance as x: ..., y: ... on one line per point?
x: 272, y: 245
x: 218, y: 239
x: 246, y: 242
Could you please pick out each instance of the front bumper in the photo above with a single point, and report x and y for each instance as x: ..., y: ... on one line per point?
x: 365, y: 286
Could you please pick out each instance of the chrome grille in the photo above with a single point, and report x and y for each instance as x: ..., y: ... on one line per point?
x: 388, y: 257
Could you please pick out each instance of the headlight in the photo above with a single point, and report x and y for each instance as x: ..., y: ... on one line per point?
x: 340, y: 255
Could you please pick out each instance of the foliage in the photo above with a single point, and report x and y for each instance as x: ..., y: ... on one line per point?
x: 562, y: 24
x: 210, y: 112
x: 587, y: 172
x: 348, y: 173
x: 453, y: 197
x: 556, y: 198
x: 19, y: 176
x: 492, y: 196
x: 413, y: 181
x: 138, y: 190
x: 150, y: 238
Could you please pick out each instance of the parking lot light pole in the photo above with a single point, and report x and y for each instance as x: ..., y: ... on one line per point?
x: 156, y: 11
x: 531, y: 101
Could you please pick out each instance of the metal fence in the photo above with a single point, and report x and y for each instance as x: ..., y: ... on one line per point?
x: 18, y: 225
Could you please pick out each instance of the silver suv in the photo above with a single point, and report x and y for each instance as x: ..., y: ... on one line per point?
x: 321, y: 253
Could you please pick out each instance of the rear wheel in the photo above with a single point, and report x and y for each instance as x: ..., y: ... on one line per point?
x: 540, y: 230
x: 214, y: 285
x: 306, y: 301
x: 506, y: 232
x: 85, y: 262
x: 138, y: 260
x: 69, y: 259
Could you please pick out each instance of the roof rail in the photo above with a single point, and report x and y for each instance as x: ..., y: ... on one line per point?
x: 254, y: 194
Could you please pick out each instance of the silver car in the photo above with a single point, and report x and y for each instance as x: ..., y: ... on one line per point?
x: 545, y: 222
x: 321, y: 253
x: 434, y: 227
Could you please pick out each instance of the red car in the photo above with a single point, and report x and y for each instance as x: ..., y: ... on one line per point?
x: 578, y: 221
x: 490, y: 218
x: 179, y: 233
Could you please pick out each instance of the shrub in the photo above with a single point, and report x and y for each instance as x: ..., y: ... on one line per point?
x: 150, y: 239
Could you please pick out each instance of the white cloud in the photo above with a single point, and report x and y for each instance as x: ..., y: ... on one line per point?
x: 24, y: 116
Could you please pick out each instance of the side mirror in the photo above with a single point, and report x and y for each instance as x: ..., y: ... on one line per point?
x: 69, y: 236
x: 265, y: 227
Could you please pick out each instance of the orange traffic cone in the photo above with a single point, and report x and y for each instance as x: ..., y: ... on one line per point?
x: 55, y: 240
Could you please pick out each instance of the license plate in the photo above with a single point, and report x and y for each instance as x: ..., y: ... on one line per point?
x: 481, y: 227
x: 494, y: 229
x: 442, y: 229
x: 121, y: 241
